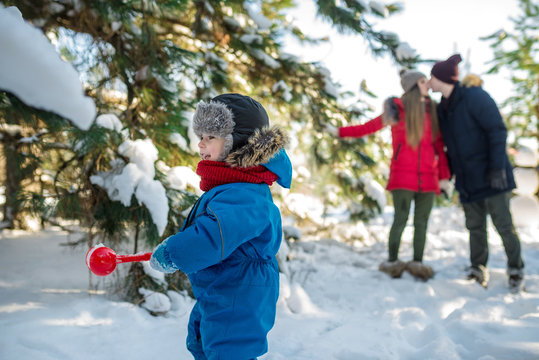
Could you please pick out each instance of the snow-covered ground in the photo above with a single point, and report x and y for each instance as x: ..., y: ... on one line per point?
x: 334, y: 303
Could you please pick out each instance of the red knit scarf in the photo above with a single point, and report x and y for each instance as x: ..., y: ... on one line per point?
x: 214, y: 173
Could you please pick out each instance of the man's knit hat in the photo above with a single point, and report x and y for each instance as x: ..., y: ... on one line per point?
x: 448, y: 70
x: 409, y: 78
x: 234, y: 117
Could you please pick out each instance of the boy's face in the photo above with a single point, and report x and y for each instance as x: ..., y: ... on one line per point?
x: 435, y: 84
x: 210, y: 147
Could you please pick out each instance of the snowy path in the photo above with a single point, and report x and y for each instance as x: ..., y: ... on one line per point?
x: 360, y: 313
x: 343, y: 307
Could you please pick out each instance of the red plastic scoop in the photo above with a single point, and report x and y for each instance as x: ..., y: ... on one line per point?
x: 102, y: 260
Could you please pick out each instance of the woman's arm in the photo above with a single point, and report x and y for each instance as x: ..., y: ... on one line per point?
x: 370, y: 127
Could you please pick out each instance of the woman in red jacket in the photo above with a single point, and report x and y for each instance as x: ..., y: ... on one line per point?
x: 417, y: 166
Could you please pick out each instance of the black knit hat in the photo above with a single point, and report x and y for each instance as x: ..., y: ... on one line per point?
x: 448, y: 70
x: 234, y: 117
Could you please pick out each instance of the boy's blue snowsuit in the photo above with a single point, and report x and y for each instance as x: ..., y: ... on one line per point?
x: 227, y: 248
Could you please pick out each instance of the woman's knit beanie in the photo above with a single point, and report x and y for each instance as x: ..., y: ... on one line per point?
x: 448, y: 70
x: 409, y: 78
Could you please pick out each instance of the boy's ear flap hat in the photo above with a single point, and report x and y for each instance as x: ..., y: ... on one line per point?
x: 248, y: 113
x: 215, y: 119
x: 448, y: 70
x: 409, y: 78
x: 244, y: 123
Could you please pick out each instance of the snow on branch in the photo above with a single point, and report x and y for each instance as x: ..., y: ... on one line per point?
x: 137, y: 178
x: 32, y: 70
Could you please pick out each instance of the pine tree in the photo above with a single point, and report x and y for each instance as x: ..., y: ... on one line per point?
x: 147, y: 63
x: 517, y: 52
x: 32, y: 147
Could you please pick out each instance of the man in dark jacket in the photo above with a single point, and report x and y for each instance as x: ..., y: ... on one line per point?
x: 475, y: 137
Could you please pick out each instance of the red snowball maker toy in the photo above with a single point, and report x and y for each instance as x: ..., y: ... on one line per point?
x: 102, y: 260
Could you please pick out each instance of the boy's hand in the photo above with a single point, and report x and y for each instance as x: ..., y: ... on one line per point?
x: 160, y: 259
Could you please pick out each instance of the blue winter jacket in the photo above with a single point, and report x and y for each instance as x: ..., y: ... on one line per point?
x: 475, y: 136
x: 227, y: 248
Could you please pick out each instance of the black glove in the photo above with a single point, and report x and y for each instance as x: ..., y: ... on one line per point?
x: 498, y: 179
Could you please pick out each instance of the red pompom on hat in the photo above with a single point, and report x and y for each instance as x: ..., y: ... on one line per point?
x: 448, y: 70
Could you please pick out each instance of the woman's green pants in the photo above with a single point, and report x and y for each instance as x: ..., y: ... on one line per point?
x: 402, y: 200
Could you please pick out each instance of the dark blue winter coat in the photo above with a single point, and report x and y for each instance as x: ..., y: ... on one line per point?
x: 475, y: 136
x: 227, y: 248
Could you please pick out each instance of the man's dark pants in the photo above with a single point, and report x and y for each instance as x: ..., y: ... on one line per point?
x: 476, y: 222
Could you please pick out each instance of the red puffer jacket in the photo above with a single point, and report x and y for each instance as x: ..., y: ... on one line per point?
x: 412, y: 169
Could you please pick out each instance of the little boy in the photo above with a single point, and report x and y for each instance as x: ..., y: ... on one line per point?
x: 228, y: 243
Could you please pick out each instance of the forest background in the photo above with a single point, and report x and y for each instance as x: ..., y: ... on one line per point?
x: 145, y: 65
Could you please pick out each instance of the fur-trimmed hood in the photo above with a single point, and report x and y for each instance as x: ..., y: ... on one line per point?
x: 265, y: 147
x: 260, y: 147
x: 472, y: 80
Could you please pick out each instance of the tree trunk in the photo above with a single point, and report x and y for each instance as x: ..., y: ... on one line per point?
x: 12, y: 180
